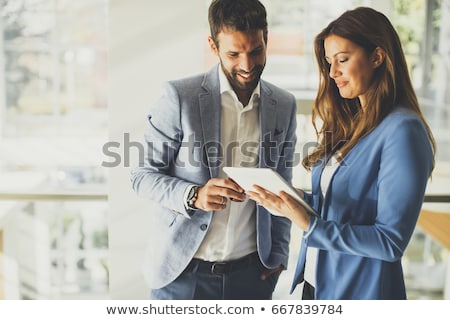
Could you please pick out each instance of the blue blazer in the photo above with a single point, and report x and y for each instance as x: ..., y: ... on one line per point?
x: 369, y: 212
x: 182, y: 141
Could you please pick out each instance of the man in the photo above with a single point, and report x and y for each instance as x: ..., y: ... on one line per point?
x: 212, y: 242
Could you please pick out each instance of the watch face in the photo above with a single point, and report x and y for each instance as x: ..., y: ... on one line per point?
x: 191, y: 193
x: 192, y: 196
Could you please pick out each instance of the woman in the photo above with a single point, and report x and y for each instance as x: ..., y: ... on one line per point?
x: 371, y: 166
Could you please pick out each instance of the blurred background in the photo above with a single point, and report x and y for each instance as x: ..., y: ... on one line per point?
x: 76, y: 81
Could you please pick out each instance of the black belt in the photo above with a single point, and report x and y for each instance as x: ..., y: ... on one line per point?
x: 197, y: 265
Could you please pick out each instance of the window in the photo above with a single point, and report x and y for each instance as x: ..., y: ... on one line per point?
x: 53, y: 105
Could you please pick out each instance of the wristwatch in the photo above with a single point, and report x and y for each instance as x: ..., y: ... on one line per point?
x: 192, y: 197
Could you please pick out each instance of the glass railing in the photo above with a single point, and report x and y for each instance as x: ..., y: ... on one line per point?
x: 54, y: 245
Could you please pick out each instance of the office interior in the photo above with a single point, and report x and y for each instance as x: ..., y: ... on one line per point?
x: 76, y: 81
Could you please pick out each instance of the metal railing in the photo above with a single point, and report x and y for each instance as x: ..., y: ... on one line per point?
x: 437, y: 198
x: 54, y: 196
x: 59, y: 198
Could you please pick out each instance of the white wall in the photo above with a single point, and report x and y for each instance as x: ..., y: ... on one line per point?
x: 150, y: 41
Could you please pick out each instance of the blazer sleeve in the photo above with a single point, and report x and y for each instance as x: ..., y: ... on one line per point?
x: 163, y: 136
x: 406, y: 162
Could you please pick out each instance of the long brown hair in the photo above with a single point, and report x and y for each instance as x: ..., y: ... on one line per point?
x: 344, y: 119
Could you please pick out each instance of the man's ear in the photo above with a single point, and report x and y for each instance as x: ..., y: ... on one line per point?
x: 213, y: 46
x: 378, y: 57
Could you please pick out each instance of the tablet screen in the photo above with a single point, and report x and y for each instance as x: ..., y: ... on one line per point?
x: 266, y: 178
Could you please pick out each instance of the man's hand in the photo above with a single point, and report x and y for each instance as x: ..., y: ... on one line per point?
x: 215, y: 193
x: 266, y: 273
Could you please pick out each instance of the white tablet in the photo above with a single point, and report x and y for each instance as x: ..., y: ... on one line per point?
x: 268, y: 179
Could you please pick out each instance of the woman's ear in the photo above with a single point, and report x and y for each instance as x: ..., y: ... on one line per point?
x: 378, y: 57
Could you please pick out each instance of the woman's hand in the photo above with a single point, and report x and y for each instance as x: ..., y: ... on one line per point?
x: 283, y: 204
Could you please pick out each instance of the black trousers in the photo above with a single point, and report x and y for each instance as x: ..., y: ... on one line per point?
x: 308, y: 291
x: 235, y: 280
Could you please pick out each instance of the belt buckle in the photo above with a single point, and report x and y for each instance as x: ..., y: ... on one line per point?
x: 213, y: 267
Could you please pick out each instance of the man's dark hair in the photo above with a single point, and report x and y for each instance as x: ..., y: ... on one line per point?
x: 237, y: 15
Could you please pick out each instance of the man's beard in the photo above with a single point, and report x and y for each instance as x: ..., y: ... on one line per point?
x: 237, y: 84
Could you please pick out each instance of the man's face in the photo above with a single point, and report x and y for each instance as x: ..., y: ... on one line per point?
x: 242, y: 56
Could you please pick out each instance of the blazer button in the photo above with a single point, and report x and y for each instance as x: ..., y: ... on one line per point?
x: 203, y: 227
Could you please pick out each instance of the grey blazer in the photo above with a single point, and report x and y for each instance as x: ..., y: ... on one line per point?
x: 182, y: 142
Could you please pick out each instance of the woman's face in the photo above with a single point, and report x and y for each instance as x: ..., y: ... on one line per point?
x: 351, y: 67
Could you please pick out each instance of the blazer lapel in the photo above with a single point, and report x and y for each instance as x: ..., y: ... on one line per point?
x: 267, y: 120
x: 210, y: 107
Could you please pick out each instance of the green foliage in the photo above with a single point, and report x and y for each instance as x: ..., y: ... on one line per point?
x: 100, y: 238
x: 409, y: 21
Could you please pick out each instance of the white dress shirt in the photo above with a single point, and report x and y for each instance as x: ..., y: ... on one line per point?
x: 311, y: 253
x: 232, y: 233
